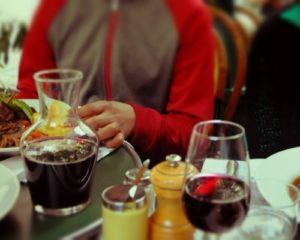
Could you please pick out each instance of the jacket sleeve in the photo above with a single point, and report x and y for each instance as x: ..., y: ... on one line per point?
x: 191, y: 93
x: 36, y: 53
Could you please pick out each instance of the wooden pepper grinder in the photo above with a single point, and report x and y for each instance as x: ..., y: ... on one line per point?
x: 168, y: 221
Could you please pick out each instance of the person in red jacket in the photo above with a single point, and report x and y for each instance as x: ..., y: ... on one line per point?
x: 147, y: 65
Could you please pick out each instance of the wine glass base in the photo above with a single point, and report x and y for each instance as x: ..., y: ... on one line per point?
x: 60, y: 211
x: 234, y: 234
x: 267, y: 223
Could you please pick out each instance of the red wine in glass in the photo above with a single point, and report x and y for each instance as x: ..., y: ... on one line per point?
x: 215, y: 203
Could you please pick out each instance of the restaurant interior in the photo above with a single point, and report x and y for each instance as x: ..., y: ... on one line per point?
x: 123, y: 196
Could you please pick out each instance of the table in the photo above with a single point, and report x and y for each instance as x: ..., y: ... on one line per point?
x: 23, y: 223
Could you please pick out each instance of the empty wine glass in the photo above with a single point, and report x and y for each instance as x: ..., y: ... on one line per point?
x: 216, y: 192
x: 273, y: 211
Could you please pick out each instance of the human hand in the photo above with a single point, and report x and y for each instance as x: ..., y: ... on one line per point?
x: 112, y: 121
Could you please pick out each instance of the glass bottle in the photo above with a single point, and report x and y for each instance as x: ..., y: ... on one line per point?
x: 59, y: 150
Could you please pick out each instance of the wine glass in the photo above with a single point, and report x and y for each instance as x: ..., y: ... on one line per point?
x: 273, y: 210
x: 216, y: 191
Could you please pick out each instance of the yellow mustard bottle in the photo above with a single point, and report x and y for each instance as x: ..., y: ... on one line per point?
x: 168, y: 221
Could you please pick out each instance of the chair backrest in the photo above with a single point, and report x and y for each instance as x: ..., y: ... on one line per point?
x: 236, y: 55
x: 220, y: 74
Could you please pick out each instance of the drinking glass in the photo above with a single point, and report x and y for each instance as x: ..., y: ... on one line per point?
x: 273, y: 211
x: 59, y: 150
x: 216, y: 192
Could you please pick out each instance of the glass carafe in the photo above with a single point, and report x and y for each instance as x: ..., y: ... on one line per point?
x: 59, y: 149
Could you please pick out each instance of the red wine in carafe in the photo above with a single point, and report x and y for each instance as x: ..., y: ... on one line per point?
x: 59, y: 172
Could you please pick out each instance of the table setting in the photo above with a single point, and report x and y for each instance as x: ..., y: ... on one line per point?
x: 60, y: 182
x: 15, y: 165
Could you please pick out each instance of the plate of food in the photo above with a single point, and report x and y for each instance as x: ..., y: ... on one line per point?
x: 16, y: 115
x: 283, y: 165
x: 9, y: 190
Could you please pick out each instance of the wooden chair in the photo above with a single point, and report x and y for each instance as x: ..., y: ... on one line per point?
x: 220, y: 74
x: 236, y: 55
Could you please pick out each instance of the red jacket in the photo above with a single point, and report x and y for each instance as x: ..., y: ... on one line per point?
x: 157, y: 55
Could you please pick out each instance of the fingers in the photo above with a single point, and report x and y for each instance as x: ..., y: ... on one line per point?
x: 98, y: 121
x: 91, y: 109
x: 108, y: 132
x: 109, y: 139
x: 116, y: 141
x: 112, y: 121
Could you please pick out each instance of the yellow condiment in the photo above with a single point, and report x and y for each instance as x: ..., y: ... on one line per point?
x: 130, y: 224
x: 125, y: 216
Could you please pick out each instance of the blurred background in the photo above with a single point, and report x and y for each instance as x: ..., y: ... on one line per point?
x: 15, y: 17
x: 236, y: 24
